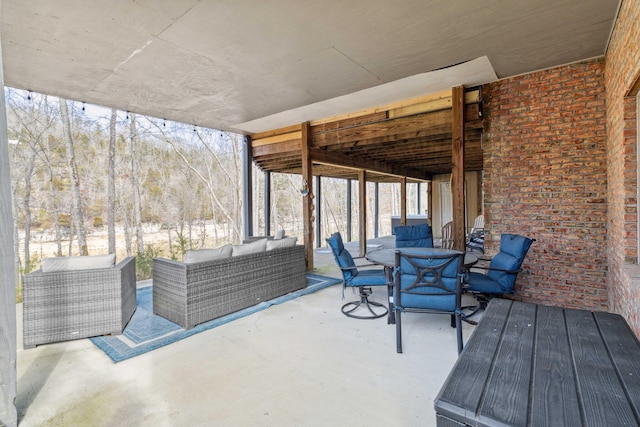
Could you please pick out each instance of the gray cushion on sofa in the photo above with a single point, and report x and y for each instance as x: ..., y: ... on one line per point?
x: 281, y: 243
x: 250, y: 248
x: 202, y: 255
x: 50, y: 265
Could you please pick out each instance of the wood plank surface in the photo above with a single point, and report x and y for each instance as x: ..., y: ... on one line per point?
x: 535, y: 365
x: 461, y: 395
x: 506, y: 395
x: 603, y: 399
x: 624, y: 350
x: 554, y: 400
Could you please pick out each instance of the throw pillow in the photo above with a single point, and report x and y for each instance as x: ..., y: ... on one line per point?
x: 202, y: 255
x: 50, y: 265
x: 281, y: 243
x: 250, y: 248
x: 279, y: 235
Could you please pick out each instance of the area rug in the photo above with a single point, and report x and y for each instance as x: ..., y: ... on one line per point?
x: 146, y: 331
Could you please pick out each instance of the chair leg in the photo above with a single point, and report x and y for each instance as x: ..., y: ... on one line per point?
x: 458, y: 318
x: 483, y: 300
x: 398, y: 332
x: 349, y: 308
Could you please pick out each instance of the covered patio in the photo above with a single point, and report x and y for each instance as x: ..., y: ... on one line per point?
x: 552, y: 136
x: 299, y: 363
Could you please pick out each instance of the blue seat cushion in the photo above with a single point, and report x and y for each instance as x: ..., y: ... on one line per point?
x: 513, y: 249
x: 479, y: 282
x: 413, y: 236
x: 342, y: 256
x: 431, y: 299
x: 368, y: 278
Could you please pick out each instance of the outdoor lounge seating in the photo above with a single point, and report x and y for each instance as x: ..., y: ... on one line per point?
x: 428, y: 283
x: 356, y: 277
x: 410, y: 236
x: 78, y: 298
x: 499, y: 277
x: 192, y: 293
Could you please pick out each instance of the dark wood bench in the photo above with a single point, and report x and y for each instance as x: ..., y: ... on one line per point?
x: 534, y: 365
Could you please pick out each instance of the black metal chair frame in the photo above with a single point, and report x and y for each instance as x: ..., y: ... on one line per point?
x: 433, y: 279
x: 365, y: 292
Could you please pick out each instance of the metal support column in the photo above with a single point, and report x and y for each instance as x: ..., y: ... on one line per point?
x: 267, y: 203
x: 247, y: 188
x: 376, y: 210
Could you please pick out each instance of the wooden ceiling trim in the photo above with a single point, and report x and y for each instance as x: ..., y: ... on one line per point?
x: 360, y: 162
x: 279, y: 148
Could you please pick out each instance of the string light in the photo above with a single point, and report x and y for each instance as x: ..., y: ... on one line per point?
x: 164, y: 122
x: 29, y: 96
x: 83, y: 106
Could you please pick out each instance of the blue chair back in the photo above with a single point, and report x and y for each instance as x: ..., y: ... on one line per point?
x: 513, y: 249
x: 412, y: 236
x: 429, y: 281
x: 342, y: 256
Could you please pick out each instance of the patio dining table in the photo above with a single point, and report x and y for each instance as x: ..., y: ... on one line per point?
x: 387, y: 258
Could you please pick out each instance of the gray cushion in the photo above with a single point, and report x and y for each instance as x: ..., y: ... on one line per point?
x: 202, y: 255
x: 50, y: 265
x: 281, y: 243
x: 279, y: 235
x: 250, y: 248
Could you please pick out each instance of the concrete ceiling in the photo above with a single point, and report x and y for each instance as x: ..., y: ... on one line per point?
x: 251, y: 66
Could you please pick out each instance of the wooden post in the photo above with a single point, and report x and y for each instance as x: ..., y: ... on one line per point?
x: 457, y: 171
x: 362, y: 185
x: 307, y: 194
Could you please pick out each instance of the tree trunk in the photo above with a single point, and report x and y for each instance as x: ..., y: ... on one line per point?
x: 75, y: 179
x: 136, y: 185
x: 111, y: 185
x: 27, y: 208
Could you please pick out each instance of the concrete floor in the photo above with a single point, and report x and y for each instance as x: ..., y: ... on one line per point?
x: 302, y: 363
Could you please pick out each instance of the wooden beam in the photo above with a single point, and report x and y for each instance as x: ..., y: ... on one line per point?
x: 362, y: 209
x: 457, y: 171
x: 307, y: 199
x: 339, y: 159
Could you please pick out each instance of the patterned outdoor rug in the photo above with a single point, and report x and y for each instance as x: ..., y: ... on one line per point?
x: 146, y: 331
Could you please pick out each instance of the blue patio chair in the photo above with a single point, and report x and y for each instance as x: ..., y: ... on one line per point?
x: 428, y: 283
x: 355, y: 277
x: 500, y: 277
x: 412, y: 236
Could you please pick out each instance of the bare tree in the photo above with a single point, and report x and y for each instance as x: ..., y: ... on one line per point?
x: 111, y: 184
x: 75, y: 179
x: 136, y: 184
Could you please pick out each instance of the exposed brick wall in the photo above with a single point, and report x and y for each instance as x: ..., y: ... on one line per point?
x: 546, y: 178
x: 622, y: 70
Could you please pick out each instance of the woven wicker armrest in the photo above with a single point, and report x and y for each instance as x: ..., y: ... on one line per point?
x: 64, y: 305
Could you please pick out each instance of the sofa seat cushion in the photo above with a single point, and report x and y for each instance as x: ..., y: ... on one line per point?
x: 202, y: 255
x: 69, y: 263
x: 250, y: 248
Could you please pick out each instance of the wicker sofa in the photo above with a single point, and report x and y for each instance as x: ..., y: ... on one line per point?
x: 190, y: 294
x: 65, y: 305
